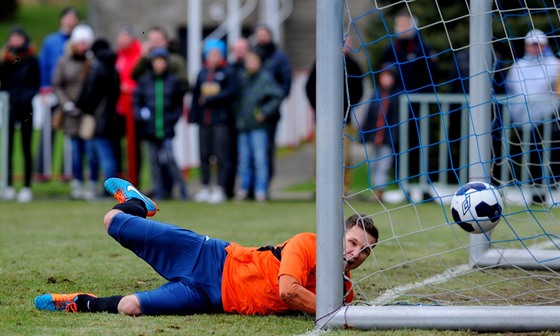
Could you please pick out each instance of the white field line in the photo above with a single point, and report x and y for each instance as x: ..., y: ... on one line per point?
x: 391, y: 294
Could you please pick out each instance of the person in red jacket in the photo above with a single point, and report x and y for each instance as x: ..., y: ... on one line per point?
x: 129, y: 51
x: 208, y: 275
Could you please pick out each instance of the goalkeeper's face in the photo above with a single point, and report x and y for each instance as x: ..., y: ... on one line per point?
x: 358, y: 245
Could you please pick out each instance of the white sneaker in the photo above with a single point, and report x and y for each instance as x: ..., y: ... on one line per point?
x: 242, y: 195
x: 25, y: 195
x: 217, y: 196
x: 8, y: 194
x: 76, y: 189
x: 202, y: 195
x: 260, y: 197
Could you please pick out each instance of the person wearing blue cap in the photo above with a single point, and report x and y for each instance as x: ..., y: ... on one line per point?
x: 158, y: 104
x: 214, y: 96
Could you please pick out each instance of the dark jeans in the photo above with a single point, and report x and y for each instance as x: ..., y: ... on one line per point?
x: 26, y: 133
x: 215, y: 141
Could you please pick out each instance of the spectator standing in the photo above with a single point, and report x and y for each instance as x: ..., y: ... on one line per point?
x: 70, y: 74
x: 52, y: 49
x: 98, y: 97
x: 352, y: 95
x: 129, y: 51
x: 19, y: 76
x: 416, y: 66
x: 276, y: 62
x: 239, y: 50
x: 381, y: 127
x: 158, y: 103
x: 214, y: 96
x: 260, y: 97
x: 156, y: 37
x: 530, y: 86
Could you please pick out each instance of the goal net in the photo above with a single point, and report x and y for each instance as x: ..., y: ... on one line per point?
x: 461, y: 91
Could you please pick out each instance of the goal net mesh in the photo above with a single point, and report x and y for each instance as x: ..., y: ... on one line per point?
x: 407, y: 151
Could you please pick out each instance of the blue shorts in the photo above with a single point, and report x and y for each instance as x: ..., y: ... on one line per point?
x: 192, y: 263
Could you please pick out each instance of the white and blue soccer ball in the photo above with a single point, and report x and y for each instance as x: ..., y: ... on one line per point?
x: 477, y: 207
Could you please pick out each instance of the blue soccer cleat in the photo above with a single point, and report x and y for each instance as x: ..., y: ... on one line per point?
x: 58, y: 302
x: 123, y: 190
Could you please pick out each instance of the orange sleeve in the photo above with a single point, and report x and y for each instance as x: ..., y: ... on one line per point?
x: 299, y: 258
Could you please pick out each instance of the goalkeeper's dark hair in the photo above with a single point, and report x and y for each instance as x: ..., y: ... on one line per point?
x: 364, y: 222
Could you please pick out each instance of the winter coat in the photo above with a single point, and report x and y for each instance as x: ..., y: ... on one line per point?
x: 354, y: 80
x: 218, y: 108
x: 71, y: 72
x: 276, y: 62
x: 415, y: 62
x: 19, y: 76
x: 52, y: 50
x: 389, y: 123
x: 530, y: 88
x: 127, y: 58
x: 100, y: 92
x: 176, y: 66
x: 260, y: 94
x: 148, y: 123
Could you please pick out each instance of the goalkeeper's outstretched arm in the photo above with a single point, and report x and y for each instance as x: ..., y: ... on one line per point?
x: 295, y: 295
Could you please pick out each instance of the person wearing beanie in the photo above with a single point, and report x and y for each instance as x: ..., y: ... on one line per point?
x: 51, y: 50
x: 82, y: 34
x: 19, y: 76
x: 158, y: 104
x: 212, y: 108
x: 156, y: 37
x: 532, y: 102
x: 70, y: 74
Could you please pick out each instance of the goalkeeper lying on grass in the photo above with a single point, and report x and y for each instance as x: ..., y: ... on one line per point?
x: 212, y: 275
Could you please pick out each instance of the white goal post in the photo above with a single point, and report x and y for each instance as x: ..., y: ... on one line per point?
x: 330, y: 211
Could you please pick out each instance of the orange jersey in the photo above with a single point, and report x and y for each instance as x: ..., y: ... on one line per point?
x: 250, y: 277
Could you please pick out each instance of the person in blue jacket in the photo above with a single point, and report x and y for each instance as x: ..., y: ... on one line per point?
x: 53, y: 48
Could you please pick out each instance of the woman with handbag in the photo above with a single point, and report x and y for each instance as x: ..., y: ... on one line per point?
x: 71, y: 71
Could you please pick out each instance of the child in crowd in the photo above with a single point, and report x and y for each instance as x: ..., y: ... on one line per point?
x: 260, y: 97
x: 212, y: 109
x: 381, y: 129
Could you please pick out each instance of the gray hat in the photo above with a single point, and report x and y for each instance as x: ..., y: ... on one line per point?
x: 536, y: 36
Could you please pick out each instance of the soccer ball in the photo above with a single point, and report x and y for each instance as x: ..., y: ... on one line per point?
x: 477, y: 207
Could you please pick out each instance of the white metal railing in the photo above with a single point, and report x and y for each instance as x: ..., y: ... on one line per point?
x: 234, y: 19
x: 4, y: 119
x: 426, y: 129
